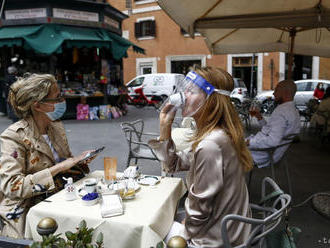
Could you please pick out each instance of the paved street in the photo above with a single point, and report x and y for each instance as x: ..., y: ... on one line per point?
x: 85, y: 135
x: 308, y: 160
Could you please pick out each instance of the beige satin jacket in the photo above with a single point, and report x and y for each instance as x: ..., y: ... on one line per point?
x: 216, y: 185
x: 24, y: 171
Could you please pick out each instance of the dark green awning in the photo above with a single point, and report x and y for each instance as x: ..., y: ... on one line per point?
x: 48, y: 38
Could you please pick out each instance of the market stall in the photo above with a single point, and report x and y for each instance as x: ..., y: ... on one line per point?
x: 78, y: 41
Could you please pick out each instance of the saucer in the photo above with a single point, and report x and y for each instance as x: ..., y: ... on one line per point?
x: 148, y: 180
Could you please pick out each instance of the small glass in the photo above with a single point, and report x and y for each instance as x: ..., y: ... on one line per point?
x: 254, y: 108
x: 110, y: 168
x: 127, y: 190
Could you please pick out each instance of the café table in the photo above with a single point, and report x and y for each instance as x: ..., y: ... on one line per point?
x: 146, y: 220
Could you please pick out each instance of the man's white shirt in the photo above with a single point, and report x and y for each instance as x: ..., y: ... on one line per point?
x: 283, y: 122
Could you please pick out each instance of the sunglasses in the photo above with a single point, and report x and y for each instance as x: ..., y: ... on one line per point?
x: 57, y: 99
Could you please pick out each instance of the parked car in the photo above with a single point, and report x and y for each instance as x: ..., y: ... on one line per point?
x: 240, y: 93
x: 157, y: 84
x: 305, y: 91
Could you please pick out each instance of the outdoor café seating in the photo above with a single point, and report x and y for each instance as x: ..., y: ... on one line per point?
x: 278, y: 165
x: 136, y: 138
x: 272, y: 207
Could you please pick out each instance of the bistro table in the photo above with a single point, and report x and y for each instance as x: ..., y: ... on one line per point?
x: 146, y: 220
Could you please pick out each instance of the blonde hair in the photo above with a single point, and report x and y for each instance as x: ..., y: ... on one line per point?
x: 218, y: 111
x: 27, y: 90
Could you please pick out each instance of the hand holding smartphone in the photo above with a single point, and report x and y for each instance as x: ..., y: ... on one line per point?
x: 92, y: 154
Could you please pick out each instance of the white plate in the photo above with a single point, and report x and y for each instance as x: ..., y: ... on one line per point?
x: 120, y: 185
x: 148, y: 180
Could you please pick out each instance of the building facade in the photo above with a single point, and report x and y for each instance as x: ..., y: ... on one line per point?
x: 170, y: 49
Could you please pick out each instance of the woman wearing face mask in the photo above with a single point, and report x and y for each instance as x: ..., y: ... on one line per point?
x: 319, y: 92
x: 35, y: 154
x: 216, y: 161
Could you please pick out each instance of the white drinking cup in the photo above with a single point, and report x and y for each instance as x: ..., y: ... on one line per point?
x: 90, y: 185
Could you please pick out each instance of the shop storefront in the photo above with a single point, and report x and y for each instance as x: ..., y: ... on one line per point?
x: 78, y: 41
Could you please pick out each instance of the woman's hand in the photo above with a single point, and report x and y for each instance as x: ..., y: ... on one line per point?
x: 166, y: 118
x: 68, y: 163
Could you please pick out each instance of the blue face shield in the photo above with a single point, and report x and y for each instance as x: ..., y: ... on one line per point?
x: 59, y: 110
x: 191, y: 93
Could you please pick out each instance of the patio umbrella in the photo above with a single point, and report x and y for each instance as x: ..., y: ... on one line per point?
x: 245, y: 26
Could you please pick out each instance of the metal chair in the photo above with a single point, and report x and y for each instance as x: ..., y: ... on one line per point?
x: 283, y: 160
x: 273, y: 207
x: 137, y: 141
x: 6, y: 242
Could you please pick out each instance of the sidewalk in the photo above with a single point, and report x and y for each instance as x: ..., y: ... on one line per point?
x: 309, y: 165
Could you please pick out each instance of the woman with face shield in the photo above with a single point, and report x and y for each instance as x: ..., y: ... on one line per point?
x: 216, y: 161
x: 35, y: 154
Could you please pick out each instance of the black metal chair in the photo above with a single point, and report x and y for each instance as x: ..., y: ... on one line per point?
x: 138, y: 147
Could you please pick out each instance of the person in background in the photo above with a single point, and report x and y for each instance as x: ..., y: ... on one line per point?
x: 10, y: 79
x: 35, y: 154
x: 322, y: 112
x: 216, y: 160
x: 284, y: 121
x: 319, y: 92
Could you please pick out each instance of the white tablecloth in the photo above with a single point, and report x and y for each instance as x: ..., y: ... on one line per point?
x: 146, y: 221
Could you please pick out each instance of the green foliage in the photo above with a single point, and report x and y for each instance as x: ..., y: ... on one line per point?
x: 82, y: 238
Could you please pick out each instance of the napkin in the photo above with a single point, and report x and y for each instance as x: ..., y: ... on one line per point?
x: 111, y: 205
x: 131, y: 172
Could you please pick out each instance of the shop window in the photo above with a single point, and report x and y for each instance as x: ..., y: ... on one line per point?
x: 145, y: 28
x: 244, y: 61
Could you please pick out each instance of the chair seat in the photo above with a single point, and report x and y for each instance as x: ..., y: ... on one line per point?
x: 143, y: 152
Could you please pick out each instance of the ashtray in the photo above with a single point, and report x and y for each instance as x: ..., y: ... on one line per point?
x: 90, y: 199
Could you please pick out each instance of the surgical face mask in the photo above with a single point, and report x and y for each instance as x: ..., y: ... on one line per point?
x: 59, y: 110
x: 191, y: 94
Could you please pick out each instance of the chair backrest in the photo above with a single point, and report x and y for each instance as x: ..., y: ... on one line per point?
x: 6, y: 242
x: 273, y: 207
x: 133, y: 130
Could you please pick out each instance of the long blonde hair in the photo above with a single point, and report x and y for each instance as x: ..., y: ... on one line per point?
x: 218, y: 111
x: 27, y: 90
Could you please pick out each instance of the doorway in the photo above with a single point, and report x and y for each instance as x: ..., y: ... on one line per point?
x: 243, y: 68
x: 301, y: 68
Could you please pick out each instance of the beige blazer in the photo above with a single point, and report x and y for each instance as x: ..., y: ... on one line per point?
x: 216, y: 188
x: 24, y: 171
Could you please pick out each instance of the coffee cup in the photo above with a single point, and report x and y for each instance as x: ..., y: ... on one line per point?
x: 177, y: 99
x: 90, y: 185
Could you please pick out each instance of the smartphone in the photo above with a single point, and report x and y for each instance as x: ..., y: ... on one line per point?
x: 92, y: 154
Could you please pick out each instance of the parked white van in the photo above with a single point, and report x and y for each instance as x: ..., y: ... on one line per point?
x: 158, y: 84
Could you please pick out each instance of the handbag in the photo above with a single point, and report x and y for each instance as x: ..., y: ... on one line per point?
x: 284, y: 238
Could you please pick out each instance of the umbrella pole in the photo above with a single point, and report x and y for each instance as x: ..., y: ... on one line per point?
x: 290, y: 60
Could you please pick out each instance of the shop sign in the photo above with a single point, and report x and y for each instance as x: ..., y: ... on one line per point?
x: 75, y: 15
x: 111, y: 22
x: 25, y: 13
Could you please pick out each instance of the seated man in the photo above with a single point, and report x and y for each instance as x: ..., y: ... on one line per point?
x: 283, y: 122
